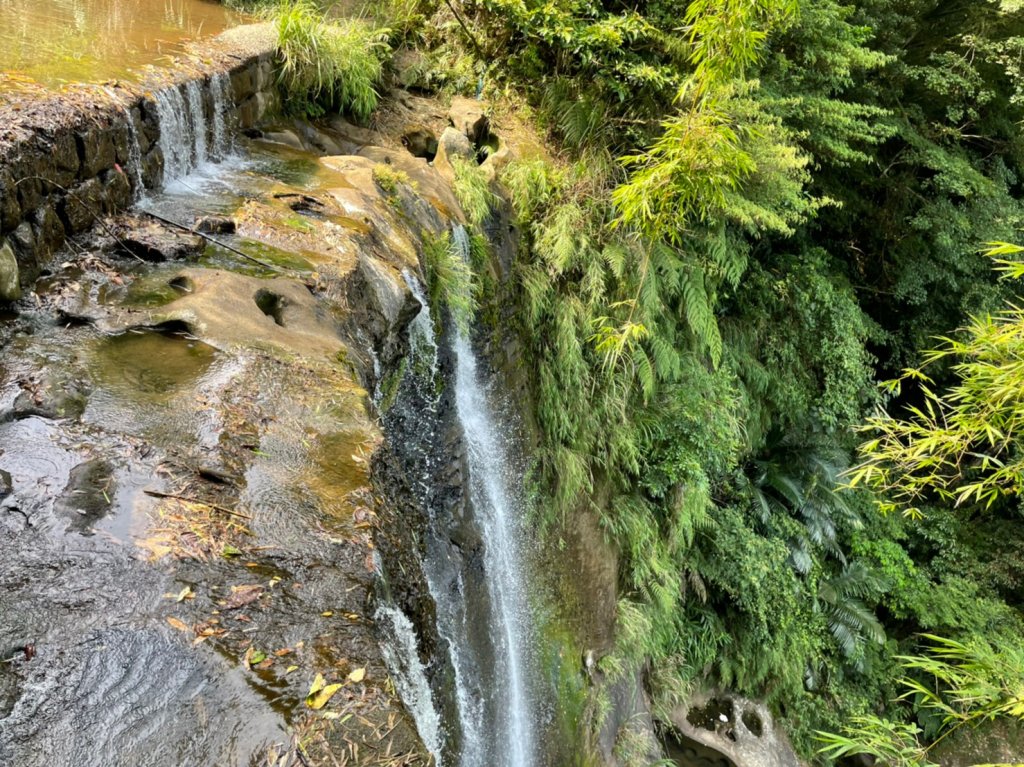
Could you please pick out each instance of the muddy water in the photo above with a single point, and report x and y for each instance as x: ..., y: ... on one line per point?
x: 59, y: 41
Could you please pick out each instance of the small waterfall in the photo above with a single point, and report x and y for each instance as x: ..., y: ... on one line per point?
x: 134, y: 158
x: 197, y: 119
x: 187, y: 138
x: 400, y: 650
x: 220, y: 89
x: 176, y: 136
x: 498, y: 511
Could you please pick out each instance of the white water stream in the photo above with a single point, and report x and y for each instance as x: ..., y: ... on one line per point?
x: 494, y: 704
x: 498, y: 510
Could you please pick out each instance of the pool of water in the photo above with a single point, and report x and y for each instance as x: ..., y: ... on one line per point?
x: 55, y: 42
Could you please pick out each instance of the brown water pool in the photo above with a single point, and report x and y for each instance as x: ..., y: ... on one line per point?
x: 54, y: 42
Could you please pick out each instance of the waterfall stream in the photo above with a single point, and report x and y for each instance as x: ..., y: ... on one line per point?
x: 478, y: 587
x: 498, y: 510
x: 188, y: 140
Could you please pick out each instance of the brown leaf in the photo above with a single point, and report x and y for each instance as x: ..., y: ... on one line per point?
x: 243, y: 595
x: 178, y: 624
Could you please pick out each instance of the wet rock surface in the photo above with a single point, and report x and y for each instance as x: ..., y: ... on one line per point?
x: 184, y: 483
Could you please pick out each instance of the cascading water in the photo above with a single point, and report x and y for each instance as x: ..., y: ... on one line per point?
x: 481, y: 612
x: 401, y: 653
x: 220, y: 88
x: 176, y: 135
x: 498, y: 510
x: 187, y: 139
x: 197, y: 120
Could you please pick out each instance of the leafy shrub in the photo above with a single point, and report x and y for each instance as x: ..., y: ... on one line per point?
x: 328, y: 65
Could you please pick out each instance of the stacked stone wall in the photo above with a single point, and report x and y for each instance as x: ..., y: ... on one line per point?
x: 65, y: 158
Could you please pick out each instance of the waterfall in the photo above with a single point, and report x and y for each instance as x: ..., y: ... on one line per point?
x: 220, y: 88
x: 197, y: 119
x: 401, y: 653
x: 176, y: 136
x: 188, y: 140
x: 481, y: 612
x: 498, y: 510
x: 452, y: 618
x: 134, y: 158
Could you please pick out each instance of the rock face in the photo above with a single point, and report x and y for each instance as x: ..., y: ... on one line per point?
x: 10, y: 289
x: 467, y: 116
x: 740, y: 729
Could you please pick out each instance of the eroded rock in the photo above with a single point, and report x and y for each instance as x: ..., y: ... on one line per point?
x: 10, y: 289
x: 152, y: 241
x: 468, y: 116
x: 741, y: 729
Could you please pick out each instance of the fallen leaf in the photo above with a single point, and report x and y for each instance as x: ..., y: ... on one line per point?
x: 185, y: 593
x: 327, y: 613
x: 319, y: 700
x: 243, y: 595
x: 177, y: 623
x: 358, y: 675
x: 290, y: 669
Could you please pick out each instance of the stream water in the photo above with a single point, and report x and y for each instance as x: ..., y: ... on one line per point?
x: 59, y: 41
x: 472, y: 556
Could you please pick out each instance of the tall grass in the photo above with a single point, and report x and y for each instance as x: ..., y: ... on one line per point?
x: 327, y: 66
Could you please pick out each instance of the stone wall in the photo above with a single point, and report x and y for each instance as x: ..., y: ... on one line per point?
x: 65, y: 158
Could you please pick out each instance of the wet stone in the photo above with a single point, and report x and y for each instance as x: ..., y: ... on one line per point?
x: 118, y: 190
x: 49, y: 230
x: 86, y: 498
x: 95, y: 150
x: 6, y: 484
x: 65, y: 158
x: 154, y: 242
x: 10, y: 208
x: 215, y: 225
x: 83, y: 206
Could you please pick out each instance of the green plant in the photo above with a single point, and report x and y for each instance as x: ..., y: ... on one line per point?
x: 328, y: 65
x: 449, y: 278
x: 962, y: 446
x: 389, y: 179
x: 473, y: 190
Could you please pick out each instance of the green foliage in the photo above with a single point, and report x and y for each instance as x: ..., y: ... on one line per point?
x: 894, y: 744
x: 962, y: 446
x: 328, y: 65
x: 757, y: 209
x: 473, y: 191
x: 962, y: 683
x: 449, y: 278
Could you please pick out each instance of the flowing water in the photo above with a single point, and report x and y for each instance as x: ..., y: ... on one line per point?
x: 473, y: 562
x: 499, y: 512
x: 59, y: 41
x: 482, y: 617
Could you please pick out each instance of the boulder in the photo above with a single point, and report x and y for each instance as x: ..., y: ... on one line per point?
x: 286, y: 137
x: 152, y: 241
x: 468, y: 117
x: 10, y: 288
x: 215, y: 225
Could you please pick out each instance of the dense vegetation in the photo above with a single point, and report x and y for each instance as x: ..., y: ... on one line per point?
x: 753, y: 212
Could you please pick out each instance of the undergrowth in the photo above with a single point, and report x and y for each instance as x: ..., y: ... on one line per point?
x: 328, y: 65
